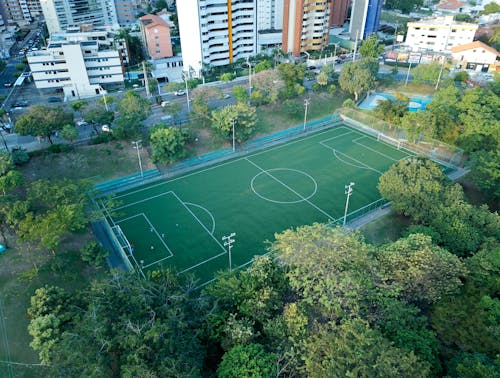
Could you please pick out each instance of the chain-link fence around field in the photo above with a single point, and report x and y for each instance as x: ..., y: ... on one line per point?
x: 434, y: 149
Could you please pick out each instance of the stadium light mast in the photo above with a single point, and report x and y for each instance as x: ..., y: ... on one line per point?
x: 228, y: 242
x: 233, y: 120
x: 348, y: 192
x: 307, y: 101
x: 137, y: 146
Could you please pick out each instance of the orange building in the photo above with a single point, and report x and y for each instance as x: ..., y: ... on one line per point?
x: 156, y: 36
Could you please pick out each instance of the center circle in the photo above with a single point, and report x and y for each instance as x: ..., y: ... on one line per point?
x: 297, y: 176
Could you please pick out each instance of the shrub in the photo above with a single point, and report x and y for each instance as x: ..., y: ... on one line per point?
x: 20, y: 156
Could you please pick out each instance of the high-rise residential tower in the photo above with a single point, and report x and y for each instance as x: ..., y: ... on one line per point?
x: 216, y: 32
x: 365, y: 18
x: 61, y: 14
x: 305, y: 25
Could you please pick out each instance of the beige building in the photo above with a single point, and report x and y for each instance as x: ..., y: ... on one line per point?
x: 305, y: 25
x: 476, y: 56
x: 439, y: 34
x: 155, y: 32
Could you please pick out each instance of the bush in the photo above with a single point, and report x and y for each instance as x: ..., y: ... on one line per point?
x: 20, y: 156
x: 58, y: 148
x: 94, y: 253
x: 349, y: 103
x: 102, y: 138
x: 293, y: 108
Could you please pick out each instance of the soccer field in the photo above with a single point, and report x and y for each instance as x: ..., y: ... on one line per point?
x: 180, y: 222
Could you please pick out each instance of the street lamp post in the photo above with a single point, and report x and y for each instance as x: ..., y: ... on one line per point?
x: 228, y: 242
x: 408, y: 75
x: 137, y: 146
x: 306, y: 104
x: 348, y: 192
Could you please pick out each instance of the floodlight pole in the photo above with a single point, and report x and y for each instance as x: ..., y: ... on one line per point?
x: 249, y: 79
x: 348, y: 191
x: 228, y: 242
x: 408, y: 75
x: 137, y: 145
x: 233, y: 120
x: 187, y: 91
x: 306, y: 104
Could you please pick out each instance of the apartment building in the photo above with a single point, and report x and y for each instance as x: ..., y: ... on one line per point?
x: 365, y: 18
x: 80, y: 64
x: 306, y: 25
x: 17, y: 11
x: 216, y: 32
x: 439, y: 34
x: 269, y: 24
x: 338, y: 12
x: 61, y: 14
x: 155, y: 33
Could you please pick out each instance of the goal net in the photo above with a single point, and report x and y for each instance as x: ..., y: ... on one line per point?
x: 387, y: 139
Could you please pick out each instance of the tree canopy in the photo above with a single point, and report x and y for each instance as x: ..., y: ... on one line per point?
x: 43, y: 121
x: 358, y: 77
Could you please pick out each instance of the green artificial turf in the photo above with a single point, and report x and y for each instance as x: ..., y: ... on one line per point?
x: 180, y: 222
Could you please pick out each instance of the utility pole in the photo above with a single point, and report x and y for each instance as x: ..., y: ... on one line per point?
x: 228, y: 242
x: 249, y: 79
x: 137, y: 146
x: 306, y: 104
x: 348, y: 191
x: 146, y: 83
x: 355, y: 47
x: 408, y: 75
x: 184, y: 75
x: 233, y: 120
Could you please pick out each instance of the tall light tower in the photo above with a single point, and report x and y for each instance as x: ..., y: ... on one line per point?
x: 249, y: 79
x: 185, y: 77
x: 307, y: 101
x: 348, y: 192
x: 137, y: 146
x: 233, y: 120
x: 228, y: 242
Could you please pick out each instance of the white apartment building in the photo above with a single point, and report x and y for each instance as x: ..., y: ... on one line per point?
x: 439, y: 34
x: 78, y: 66
x: 61, y: 14
x: 269, y: 24
x: 216, y: 32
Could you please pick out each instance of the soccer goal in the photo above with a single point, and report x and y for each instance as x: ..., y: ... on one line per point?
x: 124, y: 246
x: 387, y: 139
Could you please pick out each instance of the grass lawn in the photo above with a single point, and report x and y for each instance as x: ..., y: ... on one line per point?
x: 18, y: 282
x: 18, y: 276
x: 271, y: 118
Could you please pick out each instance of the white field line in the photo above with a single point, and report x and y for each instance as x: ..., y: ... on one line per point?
x: 290, y: 189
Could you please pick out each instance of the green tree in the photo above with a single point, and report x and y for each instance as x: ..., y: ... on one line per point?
x: 419, y: 270
x: 172, y: 108
x: 491, y: 8
x: 405, y: 6
x: 269, y: 83
x: 427, y: 73
x: 393, y: 111
x: 322, y: 79
x: 94, y: 253
x: 472, y: 365
x: 134, y: 105
x: 244, y: 121
x: 248, y: 361
x: 11, y: 180
x: 416, y: 124
x: 228, y: 76
x: 370, y: 47
x: 69, y: 133
x: 262, y: 66
x: 167, y: 144
x: 134, y: 46
x: 292, y: 76
x: 43, y: 121
x: 78, y: 105
x: 320, y: 277
x: 358, y: 77
x: 98, y: 116
x: 200, y: 106
x: 414, y: 186
x: 485, y: 171
x: 240, y: 93
x: 353, y: 349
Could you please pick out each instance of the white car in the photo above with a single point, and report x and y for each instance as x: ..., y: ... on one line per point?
x: 81, y: 123
x: 165, y: 103
x: 180, y: 92
x: 106, y: 128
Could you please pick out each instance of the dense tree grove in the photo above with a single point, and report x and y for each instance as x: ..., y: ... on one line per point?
x: 325, y: 304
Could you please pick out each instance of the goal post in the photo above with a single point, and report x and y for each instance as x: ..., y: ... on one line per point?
x: 381, y: 137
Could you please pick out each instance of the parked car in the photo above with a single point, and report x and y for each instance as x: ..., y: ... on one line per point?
x: 81, y: 122
x: 106, y: 128
x: 8, y: 85
x: 165, y: 103
x: 20, y: 104
x: 54, y: 99
x: 180, y: 92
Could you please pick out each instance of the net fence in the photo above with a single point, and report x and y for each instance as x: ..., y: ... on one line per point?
x: 421, y: 144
